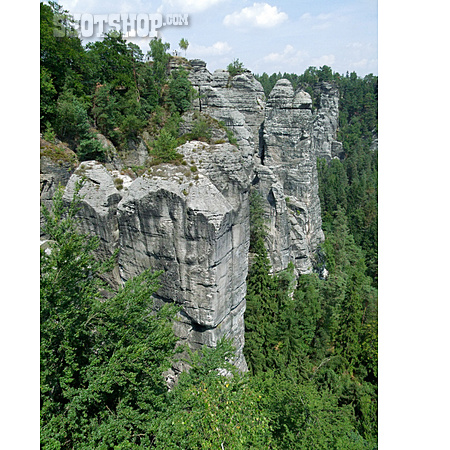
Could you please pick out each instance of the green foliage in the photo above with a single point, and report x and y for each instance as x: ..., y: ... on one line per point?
x: 164, y: 147
x: 184, y: 44
x: 212, y: 411
x: 72, y: 120
x: 309, y: 78
x: 303, y: 417
x: 180, y: 91
x: 201, y: 129
x: 48, y: 94
x: 321, y: 343
x: 59, y: 55
x: 112, y: 61
x: 108, y: 84
x: 160, y: 60
x: 91, y: 149
x: 258, y: 229
x: 230, y: 136
x: 101, y: 360
x: 235, y: 68
x: 49, y: 134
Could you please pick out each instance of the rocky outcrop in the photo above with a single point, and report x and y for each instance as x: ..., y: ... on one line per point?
x: 237, y: 102
x: 326, y: 122
x: 190, y: 222
x: 280, y: 141
x: 57, y: 163
x: 287, y: 178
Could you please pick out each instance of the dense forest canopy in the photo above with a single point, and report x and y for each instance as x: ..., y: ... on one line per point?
x: 311, y: 342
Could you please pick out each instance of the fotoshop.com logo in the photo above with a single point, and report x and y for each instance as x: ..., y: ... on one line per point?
x: 129, y: 24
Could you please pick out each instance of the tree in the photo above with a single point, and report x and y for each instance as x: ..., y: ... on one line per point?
x: 48, y: 94
x: 113, y: 61
x: 59, y: 54
x: 213, y: 411
x: 301, y: 416
x: 180, y: 90
x: 235, y: 68
x: 184, y: 44
x: 101, y: 360
x: 159, y: 63
x: 72, y: 121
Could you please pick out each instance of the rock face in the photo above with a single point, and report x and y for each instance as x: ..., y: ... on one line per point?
x: 236, y: 101
x: 287, y: 178
x: 280, y: 140
x: 57, y: 163
x: 192, y: 221
x: 326, y: 122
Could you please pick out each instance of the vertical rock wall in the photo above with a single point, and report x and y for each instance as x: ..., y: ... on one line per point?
x: 192, y: 222
x: 326, y: 122
x: 193, y: 227
x: 288, y: 178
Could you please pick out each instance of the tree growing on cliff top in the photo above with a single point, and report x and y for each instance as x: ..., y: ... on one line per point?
x: 184, y: 44
x: 235, y: 68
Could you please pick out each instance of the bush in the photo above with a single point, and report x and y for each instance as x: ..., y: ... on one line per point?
x: 72, y: 121
x: 180, y: 91
x: 235, y: 68
x: 200, y: 131
x: 164, y: 147
x: 90, y: 149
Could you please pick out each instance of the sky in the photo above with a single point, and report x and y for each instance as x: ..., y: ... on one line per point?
x: 273, y: 36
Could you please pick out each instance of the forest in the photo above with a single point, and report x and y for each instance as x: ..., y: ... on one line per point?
x: 310, y: 342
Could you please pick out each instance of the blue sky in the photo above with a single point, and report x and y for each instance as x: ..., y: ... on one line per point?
x: 273, y: 36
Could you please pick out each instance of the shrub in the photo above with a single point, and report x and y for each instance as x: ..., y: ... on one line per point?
x: 235, y: 68
x: 91, y: 148
x: 72, y: 121
x: 164, y: 147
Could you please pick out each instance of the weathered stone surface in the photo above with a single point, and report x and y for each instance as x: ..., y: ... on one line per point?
x: 326, y: 122
x: 286, y: 139
x: 113, y: 160
x: 236, y: 101
x: 97, y: 214
x: 289, y: 179
x: 57, y: 163
x: 136, y: 154
x: 192, y: 223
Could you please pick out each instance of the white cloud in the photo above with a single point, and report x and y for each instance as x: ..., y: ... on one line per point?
x: 318, y: 22
x: 319, y: 17
x: 187, y: 6
x: 260, y: 15
x: 324, y: 16
x: 365, y: 63
x: 217, y: 49
x: 288, y: 56
x: 356, y: 45
x: 324, y: 60
x: 362, y: 63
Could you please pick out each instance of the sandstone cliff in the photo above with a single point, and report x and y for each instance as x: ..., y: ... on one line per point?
x: 192, y: 221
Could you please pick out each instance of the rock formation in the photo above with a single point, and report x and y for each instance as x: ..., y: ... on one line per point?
x: 236, y: 101
x: 287, y: 178
x: 192, y: 220
x: 326, y: 122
